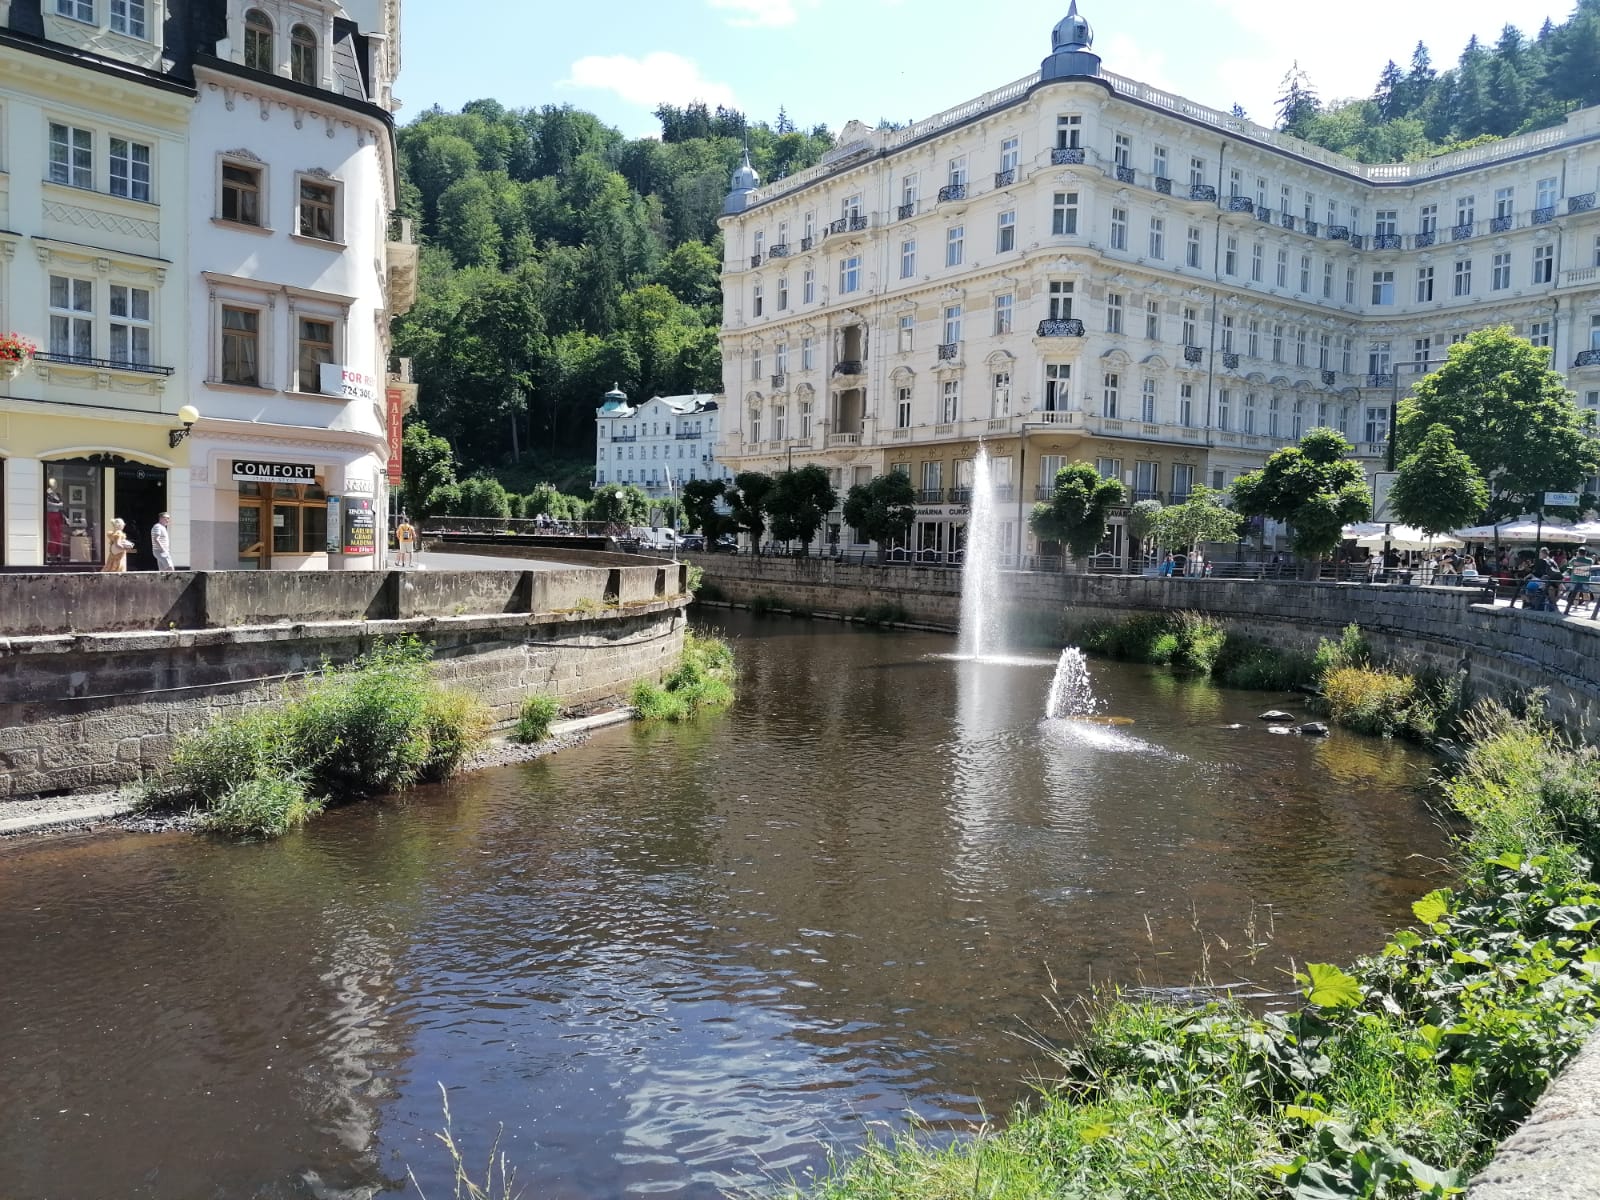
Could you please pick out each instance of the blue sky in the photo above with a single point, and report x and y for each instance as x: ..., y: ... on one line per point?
x: 827, y: 61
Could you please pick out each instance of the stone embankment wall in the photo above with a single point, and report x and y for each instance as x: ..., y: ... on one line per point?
x: 100, y: 673
x: 1503, y: 650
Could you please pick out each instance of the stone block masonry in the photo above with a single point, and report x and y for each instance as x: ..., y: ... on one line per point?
x: 98, y: 709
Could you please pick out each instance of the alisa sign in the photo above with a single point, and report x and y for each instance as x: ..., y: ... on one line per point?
x: 352, y: 385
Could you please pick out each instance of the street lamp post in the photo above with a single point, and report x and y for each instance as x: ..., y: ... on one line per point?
x: 1395, y: 368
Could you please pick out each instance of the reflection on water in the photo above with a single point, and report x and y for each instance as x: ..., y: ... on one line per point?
x: 677, y: 959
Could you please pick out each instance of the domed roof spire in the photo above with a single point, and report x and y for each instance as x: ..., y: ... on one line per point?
x: 1070, y: 53
x: 745, y: 181
x: 614, y: 399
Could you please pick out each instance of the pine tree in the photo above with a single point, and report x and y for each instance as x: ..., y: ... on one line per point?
x: 1299, y: 102
x: 1390, y: 91
x: 1419, y: 81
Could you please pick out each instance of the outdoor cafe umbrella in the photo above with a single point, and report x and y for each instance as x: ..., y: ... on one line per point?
x: 1371, y: 535
x: 1526, y: 528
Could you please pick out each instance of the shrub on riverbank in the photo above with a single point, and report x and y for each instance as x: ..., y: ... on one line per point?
x: 883, y: 613
x: 374, y: 726
x: 1186, y: 641
x: 1395, y: 1079
x: 703, y: 679
x: 534, y: 721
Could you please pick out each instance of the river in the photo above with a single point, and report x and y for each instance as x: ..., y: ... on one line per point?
x: 675, y: 960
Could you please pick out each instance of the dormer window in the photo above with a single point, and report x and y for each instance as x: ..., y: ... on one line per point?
x: 128, y: 17
x: 303, y: 55
x: 258, y: 41
x: 77, y: 10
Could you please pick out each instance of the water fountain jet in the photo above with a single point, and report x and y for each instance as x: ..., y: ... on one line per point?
x: 1071, y: 694
x: 982, y: 633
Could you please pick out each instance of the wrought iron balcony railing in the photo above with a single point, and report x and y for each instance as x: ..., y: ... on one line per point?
x: 1241, y: 204
x: 948, y: 351
x: 1124, y: 174
x: 1193, y: 354
x: 1382, y: 379
x: 1580, y: 203
x: 960, y: 495
x: 104, y: 364
x: 1163, y: 185
x: 1358, y: 241
x: 1286, y: 220
x: 1424, y: 239
x: 1587, y: 358
x: 1264, y: 214
x: 1327, y: 378
x: 1202, y: 191
x: 1004, y: 179
x: 1501, y: 224
x: 1065, y: 156
x: 1060, y: 327
x: 849, y: 366
x: 1230, y: 361
x: 858, y: 223
x: 1543, y: 216
x: 781, y: 250
x: 1460, y: 233
x: 1337, y: 233
x: 930, y: 496
x: 1312, y: 228
x: 806, y: 244
x: 906, y: 211
x: 1387, y: 241
x: 839, y: 226
x: 952, y: 191
x: 755, y: 260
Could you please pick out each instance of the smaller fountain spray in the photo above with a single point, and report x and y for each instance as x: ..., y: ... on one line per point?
x: 1071, y: 693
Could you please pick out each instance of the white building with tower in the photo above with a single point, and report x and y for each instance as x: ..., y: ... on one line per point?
x: 658, y: 445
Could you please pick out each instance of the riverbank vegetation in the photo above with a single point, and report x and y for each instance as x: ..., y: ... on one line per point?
x: 1396, y: 1078
x: 702, y: 681
x: 538, y: 713
x: 351, y: 732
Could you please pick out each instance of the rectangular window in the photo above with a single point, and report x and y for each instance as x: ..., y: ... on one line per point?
x: 1191, y: 319
x: 317, y: 202
x: 1119, y: 229
x: 1064, y: 214
x: 1060, y: 300
x: 780, y: 422
x: 1283, y: 268
x: 1386, y: 222
x: 1274, y: 416
x: 1010, y: 155
x: 78, y: 10
x: 1004, y: 306
x: 1545, y: 194
x: 1069, y: 132
x: 1108, y: 468
x: 1253, y: 339
x: 1421, y: 351
x: 1544, y: 264
x: 71, y: 156
x: 1113, y: 312
x: 1383, y: 287
x: 1185, y: 406
x: 1428, y: 220
x: 1504, y: 202
x: 130, y: 325
x: 783, y: 293
x: 1539, y: 333
x: 1230, y: 256
x: 908, y: 258
x: 907, y: 332
x: 808, y: 287
x: 908, y: 192
x: 1500, y: 272
x: 902, y: 408
x: 1197, y: 172
x: 1227, y: 333
x: 1057, y: 387
x: 241, y: 194
x: 850, y: 274
x: 1123, y: 151
x: 129, y: 169
x: 805, y: 420
x: 808, y: 353
x: 1309, y: 209
x: 1001, y: 395
x: 1006, y: 232
x: 1277, y: 343
x: 1465, y: 210
x: 128, y: 17
x: 71, y: 317
x: 1299, y: 347
x: 950, y: 401
x: 757, y: 300
x: 1192, y: 247
x: 958, y: 171
x: 1463, y: 277
x: 1305, y: 274
x: 952, y: 324
x: 1224, y: 409
x: 1324, y: 351
x: 1349, y: 285
x: 1158, y: 239
x: 1327, y: 279
x: 315, y: 347
x: 1147, y: 404
x: 1152, y: 320
x: 1247, y: 416
x: 1424, y: 285
x: 955, y: 245
x: 1158, y: 162
x: 241, y: 346
x: 1257, y: 259
x: 780, y: 359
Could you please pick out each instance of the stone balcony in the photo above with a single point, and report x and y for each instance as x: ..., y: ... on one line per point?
x: 401, y: 258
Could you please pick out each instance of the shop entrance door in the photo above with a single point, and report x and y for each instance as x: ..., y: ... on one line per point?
x: 139, y: 497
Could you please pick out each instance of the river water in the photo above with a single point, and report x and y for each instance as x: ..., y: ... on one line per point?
x: 675, y: 960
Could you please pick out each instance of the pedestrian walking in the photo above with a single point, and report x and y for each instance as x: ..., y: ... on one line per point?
x: 406, y: 535
x: 161, y: 542
x: 117, y: 547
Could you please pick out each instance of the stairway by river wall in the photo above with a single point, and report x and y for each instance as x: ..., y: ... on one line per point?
x: 1503, y: 650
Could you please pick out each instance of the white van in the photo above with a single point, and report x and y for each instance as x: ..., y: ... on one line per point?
x: 655, y: 539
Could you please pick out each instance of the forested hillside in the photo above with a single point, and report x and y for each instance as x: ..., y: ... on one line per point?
x: 1517, y: 84
x: 560, y: 257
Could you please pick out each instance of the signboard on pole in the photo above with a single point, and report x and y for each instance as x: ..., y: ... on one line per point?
x: 360, y: 526
x: 396, y: 405
x: 334, y: 526
x: 1382, y: 481
x: 1561, y: 499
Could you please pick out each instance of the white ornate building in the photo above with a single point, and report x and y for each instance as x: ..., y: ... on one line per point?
x: 200, y: 193
x: 659, y: 445
x: 1080, y: 266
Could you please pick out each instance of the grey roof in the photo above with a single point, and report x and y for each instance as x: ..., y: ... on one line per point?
x: 346, y: 68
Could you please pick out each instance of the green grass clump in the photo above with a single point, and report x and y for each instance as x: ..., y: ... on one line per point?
x: 882, y: 613
x: 264, y: 806
x: 1244, y: 663
x: 1368, y: 701
x: 1186, y: 641
x: 1351, y: 650
x: 534, y: 721
x: 702, y: 680
x: 377, y: 725
x: 695, y: 578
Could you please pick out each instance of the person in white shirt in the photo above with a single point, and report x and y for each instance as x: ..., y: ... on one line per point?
x: 161, y: 542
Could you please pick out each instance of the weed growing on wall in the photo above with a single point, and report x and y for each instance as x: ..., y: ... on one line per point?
x: 702, y: 680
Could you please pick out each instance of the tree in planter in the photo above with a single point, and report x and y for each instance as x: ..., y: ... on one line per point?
x: 798, y: 502
x: 882, y: 509
x: 1078, y: 512
x: 1438, y: 488
x: 617, y: 504
x: 748, y: 500
x: 1510, y: 414
x: 700, y: 498
x: 1201, y: 518
x: 1316, y: 487
x: 1142, y: 519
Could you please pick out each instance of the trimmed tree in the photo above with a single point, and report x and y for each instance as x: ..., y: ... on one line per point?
x: 798, y: 502
x: 1315, y: 487
x: 700, y: 498
x: 620, y: 505
x: 748, y: 500
x: 1200, y: 518
x: 1510, y: 414
x: 1078, y: 512
x: 1438, y: 488
x: 1142, y: 522
x: 882, y: 509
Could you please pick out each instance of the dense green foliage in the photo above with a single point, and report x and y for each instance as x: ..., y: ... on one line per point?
x: 800, y: 500
x: 1187, y: 641
x: 620, y: 504
x: 1510, y: 414
x: 1316, y: 487
x: 882, y: 509
x: 1393, y: 1079
x: 560, y: 258
x: 702, y: 680
x: 1200, y: 518
x: 1078, y: 512
x: 373, y: 726
x: 539, y: 712
x: 1439, y: 487
x: 1518, y: 84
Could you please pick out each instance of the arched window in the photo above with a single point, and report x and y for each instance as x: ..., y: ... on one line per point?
x: 303, y: 55
x: 257, y: 40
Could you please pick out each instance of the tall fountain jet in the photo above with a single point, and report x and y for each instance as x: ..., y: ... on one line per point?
x: 982, y: 610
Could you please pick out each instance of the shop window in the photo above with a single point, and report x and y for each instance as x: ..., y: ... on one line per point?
x: 74, y: 504
x: 281, y: 518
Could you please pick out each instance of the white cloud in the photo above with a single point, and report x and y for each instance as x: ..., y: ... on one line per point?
x: 758, y: 12
x: 660, y: 77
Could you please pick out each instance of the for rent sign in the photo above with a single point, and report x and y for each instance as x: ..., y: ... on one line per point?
x: 352, y: 385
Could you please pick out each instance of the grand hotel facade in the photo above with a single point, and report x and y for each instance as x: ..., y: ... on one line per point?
x: 1078, y: 266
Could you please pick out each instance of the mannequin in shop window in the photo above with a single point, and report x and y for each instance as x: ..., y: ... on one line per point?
x: 117, y: 547
x: 55, y: 523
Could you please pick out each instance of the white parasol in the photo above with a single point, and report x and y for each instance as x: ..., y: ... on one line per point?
x: 1527, y: 528
x: 1369, y: 535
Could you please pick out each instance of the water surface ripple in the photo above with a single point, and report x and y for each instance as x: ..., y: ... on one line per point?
x: 677, y: 960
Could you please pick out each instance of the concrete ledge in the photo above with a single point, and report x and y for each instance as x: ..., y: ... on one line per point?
x: 1556, y: 1153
